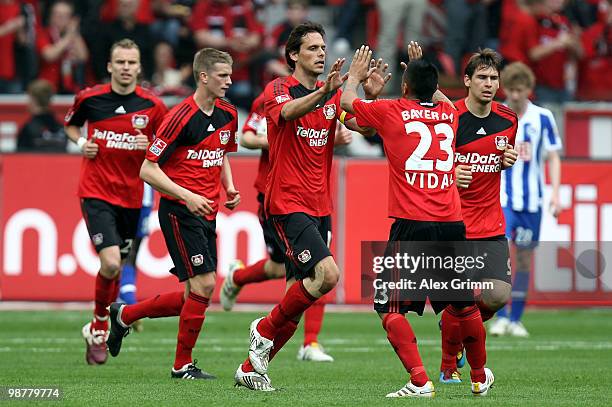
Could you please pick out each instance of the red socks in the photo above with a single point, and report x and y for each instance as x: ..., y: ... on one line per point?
x: 190, y: 323
x: 313, y: 320
x: 471, y: 334
x: 105, y: 289
x: 401, y: 337
x: 163, y: 305
x: 254, y: 273
x: 295, y: 302
x: 284, y: 334
x: 451, y: 339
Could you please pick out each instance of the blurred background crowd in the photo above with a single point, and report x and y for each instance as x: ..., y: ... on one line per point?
x: 568, y: 43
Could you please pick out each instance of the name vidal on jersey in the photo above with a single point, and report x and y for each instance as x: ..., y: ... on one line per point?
x: 211, y: 158
x: 480, y: 163
x: 430, y: 180
x: 122, y: 141
x: 316, y: 138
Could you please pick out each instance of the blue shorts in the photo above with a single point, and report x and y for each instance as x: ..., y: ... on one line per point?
x: 523, y: 228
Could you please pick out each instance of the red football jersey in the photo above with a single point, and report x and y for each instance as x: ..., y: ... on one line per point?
x: 257, y: 118
x: 301, y: 150
x: 190, y: 147
x: 481, y: 142
x: 112, y: 120
x: 419, y: 142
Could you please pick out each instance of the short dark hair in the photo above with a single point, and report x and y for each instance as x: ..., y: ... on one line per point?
x: 484, y: 58
x: 294, y: 42
x: 421, y: 76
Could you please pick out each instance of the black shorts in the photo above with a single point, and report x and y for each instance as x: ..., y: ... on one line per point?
x: 405, y: 230
x: 110, y: 225
x: 497, y: 265
x: 274, y: 250
x: 304, y: 239
x: 191, y: 240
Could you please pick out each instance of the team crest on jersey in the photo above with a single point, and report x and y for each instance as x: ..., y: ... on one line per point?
x: 224, y: 136
x: 329, y: 111
x: 197, y: 260
x: 158, y: 147
x: 501, y: 142
x: 97, y: 239
x: 140, y: 121
x: 305, y: 256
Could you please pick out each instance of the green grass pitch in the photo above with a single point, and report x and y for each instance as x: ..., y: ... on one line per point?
x: 565, y: 362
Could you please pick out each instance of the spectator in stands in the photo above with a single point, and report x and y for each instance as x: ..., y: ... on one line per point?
x: 391, y: 15
x: 126, y: 25
x: 551, y: 49
x: 61, y: 49
x: 595, y: 71
x: 230, y: 25
x: 466, y: 28
x: 296, y: 14
x: 42, y: 132
x: 171, y: 16
x: 167, y: 78
x: 11, y: 23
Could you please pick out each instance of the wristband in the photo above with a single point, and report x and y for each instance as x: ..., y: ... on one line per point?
x: 81, y: 142
x: 342, y: 117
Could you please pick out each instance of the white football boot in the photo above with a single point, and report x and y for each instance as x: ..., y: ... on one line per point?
x: 411, y: 390
x: 259, y: 349
x: 229, y: 290
x: 499, y: 326
x: 252, y: 380
x: 517, y: 329
x: 481, y: 389
x: 314, y: 353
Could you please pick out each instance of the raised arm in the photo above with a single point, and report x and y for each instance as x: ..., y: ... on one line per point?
x: 299, y: 107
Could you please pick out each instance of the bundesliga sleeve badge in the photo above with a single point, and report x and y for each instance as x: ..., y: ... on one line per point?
x: 501, y: 142
x: 158, y: 147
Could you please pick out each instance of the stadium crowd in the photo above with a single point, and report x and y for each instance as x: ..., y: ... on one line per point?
x: 568, y: 43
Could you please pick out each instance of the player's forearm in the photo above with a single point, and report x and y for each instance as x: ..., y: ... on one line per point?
x: 554, y: 169
x: 300, y: 107
x: 53, y: 52
x: 251, y: 141
x: 73, y: 133
x: 349, y: 94
x: 226, y: 174
x: 154, y: 176
x: 440, y: 97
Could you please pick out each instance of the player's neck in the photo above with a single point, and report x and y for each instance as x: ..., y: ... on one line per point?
x: 122, y: 90
x: 478, y: 109
x: 307, y: 79
x: 205, y: 100
x: 519, y: 109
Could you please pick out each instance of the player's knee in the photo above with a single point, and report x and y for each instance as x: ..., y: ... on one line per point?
x: 497, y: 298
x: 330, y: 278
x: 110, y: 268
x: 275, y: 270
x: 202, y: 285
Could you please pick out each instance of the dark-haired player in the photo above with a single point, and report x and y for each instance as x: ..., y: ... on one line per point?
x: 301, y: 114
x: 423, y: 211
x: 187, y: 163
x: 121, y: 119
x: 485, y: 136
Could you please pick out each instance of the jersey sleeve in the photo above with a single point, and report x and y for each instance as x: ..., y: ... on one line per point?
x: 232, y: 145
x: 371, y: 113
x: 168, y: 134
x: 552, y: 141
x: 276, y: 96
x: 77, y: 114
x: 158, y: 116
